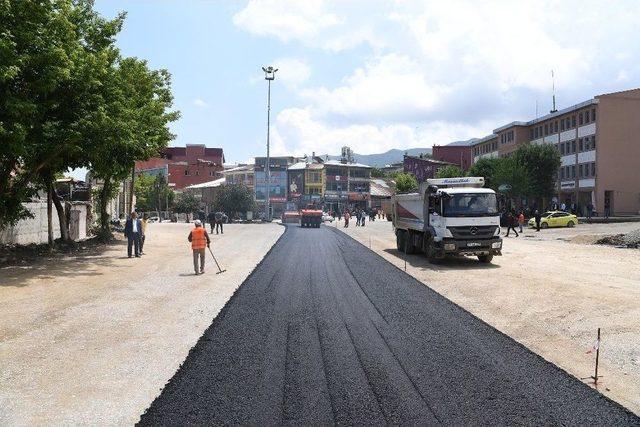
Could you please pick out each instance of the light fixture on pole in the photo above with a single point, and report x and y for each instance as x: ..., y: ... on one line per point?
x: 269, y: 74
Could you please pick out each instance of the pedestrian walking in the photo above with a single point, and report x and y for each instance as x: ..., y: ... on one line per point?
x: 346, y: 218
x: 563, y: 207
x: 132, y: 230
x: 607, y: 208
x: 589, y: 211
x: 521, y: 220
x: 199, y: 241
x: 143, y: 235
x: 211, y: 219
x: 357, y: 214
x: 511, y: 224
x: 363, y: 217
x: 220, y: 216
x: 537, y: 217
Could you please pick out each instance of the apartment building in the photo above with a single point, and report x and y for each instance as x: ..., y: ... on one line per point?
x: 185, y: 166
x: 240, y: 174
x: 459, y: 153
x: 278, y: 182
x: 423, y: 168
x: 599, y: 144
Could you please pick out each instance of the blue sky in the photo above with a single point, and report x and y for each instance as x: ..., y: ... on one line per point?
x: 374, y: 75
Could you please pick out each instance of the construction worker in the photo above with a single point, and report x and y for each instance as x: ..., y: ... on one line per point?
x: 199, y: 241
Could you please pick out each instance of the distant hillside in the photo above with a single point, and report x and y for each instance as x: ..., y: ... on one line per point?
x: 381, y: 159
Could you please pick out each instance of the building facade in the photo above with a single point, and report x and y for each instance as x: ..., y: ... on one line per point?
x: 423, y: 168
x: 599, y: 145
x: 459, y: 153
x: 185, y: 166
x: 278, y: 183
x: 240, y: 175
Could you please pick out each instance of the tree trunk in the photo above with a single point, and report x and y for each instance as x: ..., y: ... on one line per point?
x: 49, y: 216
x: 62, y: 216
x: 104, y: 196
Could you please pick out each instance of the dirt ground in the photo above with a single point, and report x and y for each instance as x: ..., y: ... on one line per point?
x: 91, y: 339
x: 547, y: 293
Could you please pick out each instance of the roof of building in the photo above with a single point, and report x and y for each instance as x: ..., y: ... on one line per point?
x: 209, y: 184
x: 430, y: 160
x: 379, y: 188
x: 298, y: 166
x: 241, y: 168
x: 351, y: 165
x: 467, y: 143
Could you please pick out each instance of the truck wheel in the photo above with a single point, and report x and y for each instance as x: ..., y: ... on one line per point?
x: 409, y: 247
x: 400, y: 237
x: 486, y: 259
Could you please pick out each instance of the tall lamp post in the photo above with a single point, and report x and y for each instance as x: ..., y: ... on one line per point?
x: 269, y: 74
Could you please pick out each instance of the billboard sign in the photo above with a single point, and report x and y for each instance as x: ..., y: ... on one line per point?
x: 278, y: 186
x: 296, y: 183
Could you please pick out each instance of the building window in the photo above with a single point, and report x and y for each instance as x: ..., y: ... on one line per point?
x: 186, y: 172
x: 197, y: 173
x: 535, y: 133
x: 573, y: 171
x: 562, y: 148
x: 581, y: 145
x: 546, y: 129
x: 580, y: 119
x: 593, y: 114
x: 586, y: 116
x: 561, y: 173
x: 593, y: 169
x: 555, y: 127
x: 573, y: 146
x: 573, y: 121
x: 593, y: 142
x: 561, y: 125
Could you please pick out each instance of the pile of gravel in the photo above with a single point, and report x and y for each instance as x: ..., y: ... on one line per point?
x: 630, y: 240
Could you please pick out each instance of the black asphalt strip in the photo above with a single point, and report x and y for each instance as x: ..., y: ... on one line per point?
x: 324, y: 331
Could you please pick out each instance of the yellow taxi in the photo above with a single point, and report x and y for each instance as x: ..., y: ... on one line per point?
x: 555, y: 219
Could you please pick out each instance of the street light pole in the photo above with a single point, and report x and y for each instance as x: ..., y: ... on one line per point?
x: 269, y: 74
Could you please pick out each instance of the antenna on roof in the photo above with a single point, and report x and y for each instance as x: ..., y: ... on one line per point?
x: 536, y: 108
x: 553, y: 91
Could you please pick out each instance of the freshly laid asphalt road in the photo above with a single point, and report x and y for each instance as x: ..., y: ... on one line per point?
x: 325, y: 331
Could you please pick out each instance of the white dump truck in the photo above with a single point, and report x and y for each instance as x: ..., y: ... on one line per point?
x: 448, y: 216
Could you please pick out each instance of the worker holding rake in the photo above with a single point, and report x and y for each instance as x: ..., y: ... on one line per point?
x: 199, y: 241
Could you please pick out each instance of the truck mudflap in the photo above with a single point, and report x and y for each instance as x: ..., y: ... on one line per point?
x: 491, y: 246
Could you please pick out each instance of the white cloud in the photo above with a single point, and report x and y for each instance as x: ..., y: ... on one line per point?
x: 200, y: 103
x: 453, y: 69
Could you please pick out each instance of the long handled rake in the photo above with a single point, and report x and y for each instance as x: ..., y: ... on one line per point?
x: 216, y: 261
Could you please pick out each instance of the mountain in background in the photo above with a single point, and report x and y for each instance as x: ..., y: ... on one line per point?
x: 387, y: 158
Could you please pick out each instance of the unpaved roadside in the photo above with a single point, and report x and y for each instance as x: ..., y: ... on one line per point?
x: 91, y: 340
x: 549, y: 295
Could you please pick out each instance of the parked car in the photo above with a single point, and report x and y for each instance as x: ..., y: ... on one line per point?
x: 327, y: 218
x: 555, y: 219
x: 154, y: 219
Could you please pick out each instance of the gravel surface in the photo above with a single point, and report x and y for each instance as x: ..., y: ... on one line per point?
x: 325, y: 331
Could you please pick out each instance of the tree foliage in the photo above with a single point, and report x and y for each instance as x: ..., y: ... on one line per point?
x: 377, y: 173
x: 152, y: 193
x: 235, y: 198
x: 449, y: 172
x: 186, y: 203
x: 541, y: 163
x: 406, y: 182
x: 68, y: 99
x: 486, y: 168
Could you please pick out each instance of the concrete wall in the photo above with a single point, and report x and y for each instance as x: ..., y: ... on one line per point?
x: 31, y: 230
x: 34, y: 230
x: 618, y: 151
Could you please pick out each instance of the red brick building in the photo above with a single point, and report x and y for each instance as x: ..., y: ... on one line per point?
x: 423, y: 168
x: 193, y: 164
x: 459, y: 153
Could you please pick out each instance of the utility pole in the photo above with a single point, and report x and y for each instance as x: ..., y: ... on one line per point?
x: 269, y: 75
x: 133, y: 180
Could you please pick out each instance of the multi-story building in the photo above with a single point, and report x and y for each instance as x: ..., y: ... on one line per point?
x: 423, y: 168
x: 459, y: 153
x: 185, y: 166
x: 240, y: 174
x: 278, y: 184
x: 599, y: 144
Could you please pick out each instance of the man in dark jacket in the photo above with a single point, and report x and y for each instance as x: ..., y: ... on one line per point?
x: 211, y: 219
x: 133, y: 231
x: 538, y: 218
x: 511, y: 223
x: 220, y: 219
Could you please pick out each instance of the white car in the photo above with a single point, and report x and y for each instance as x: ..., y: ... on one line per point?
x: 154, y: 219
x: 327, y: 218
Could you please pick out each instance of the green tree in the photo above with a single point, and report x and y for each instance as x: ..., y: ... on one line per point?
x: 152, y: 193
x: 377, y: 173
x: 186, y: 203
x: 449, y: 172
x: 234, y: 199
x: 406, y: 182
x: 486, y: 168
x: 511, y: 177
x: 541, y: 163
x: 50, y: 60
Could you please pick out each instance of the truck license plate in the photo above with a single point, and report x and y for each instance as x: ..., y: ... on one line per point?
x: 474, y: 244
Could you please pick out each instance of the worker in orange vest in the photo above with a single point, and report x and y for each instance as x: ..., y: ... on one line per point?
x: 199, y: 241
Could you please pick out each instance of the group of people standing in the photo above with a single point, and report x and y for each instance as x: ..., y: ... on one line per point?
x: 359, y: 214
x: 135, y: 232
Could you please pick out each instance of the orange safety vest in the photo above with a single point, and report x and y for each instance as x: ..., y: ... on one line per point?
x: 198, y: 240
